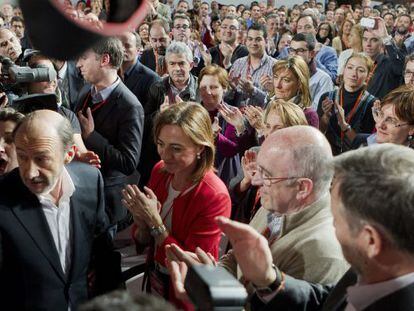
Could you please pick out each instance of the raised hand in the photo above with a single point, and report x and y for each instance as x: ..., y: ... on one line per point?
x: 327, y: 105
x: 254, y: 116
x: 88, y: 157
x: 233, y: 116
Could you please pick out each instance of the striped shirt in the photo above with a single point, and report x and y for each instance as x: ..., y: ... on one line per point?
x: 241, y: 69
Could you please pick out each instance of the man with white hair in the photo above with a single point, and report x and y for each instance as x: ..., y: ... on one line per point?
x: 178, y: 85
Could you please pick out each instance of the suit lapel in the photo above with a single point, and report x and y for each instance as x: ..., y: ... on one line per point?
x: 32, y: 218
x: 111, y: 102
x: 133, y: 79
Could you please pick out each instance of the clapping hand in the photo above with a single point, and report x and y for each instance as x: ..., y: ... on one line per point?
x: 254, y: 115
x: 233, y: 116
x: 88, y: 157
x: 216, y: 126
x: 266, y: 82
x: 143, y: 206
x: 327, y: 105
x: 246, y: 84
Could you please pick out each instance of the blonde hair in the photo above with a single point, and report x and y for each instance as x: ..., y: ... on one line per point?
x: 368, y: 63
x: 290, y: 114
x: 195, y: 122
x: 300, y: 70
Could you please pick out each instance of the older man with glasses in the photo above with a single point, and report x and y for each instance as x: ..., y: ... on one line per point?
x: 295, y: 216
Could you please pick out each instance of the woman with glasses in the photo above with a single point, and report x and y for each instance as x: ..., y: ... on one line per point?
x: 291, y: 83
x: 394, y: 119
x: 346, y: 111
x: 277, y: 115
x: 325, y: 33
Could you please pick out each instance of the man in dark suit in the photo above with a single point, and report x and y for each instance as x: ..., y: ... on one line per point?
x: 112, y: 120
x: 137, y: 77
x: 50, y: 215
x: 372, y: 205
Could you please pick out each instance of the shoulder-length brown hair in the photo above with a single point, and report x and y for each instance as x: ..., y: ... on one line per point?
x: 195, y: 122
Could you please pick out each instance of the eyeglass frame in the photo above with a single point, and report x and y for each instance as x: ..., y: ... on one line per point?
x: 375, y: 115
x: 183, y: 27
x: 296, y: 51
x: 408, y: 74
x: 268, y: 181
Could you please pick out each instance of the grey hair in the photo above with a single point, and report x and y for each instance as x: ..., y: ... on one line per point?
x: 312, y: 161
x: 179, y: 48
x: 376, y: 185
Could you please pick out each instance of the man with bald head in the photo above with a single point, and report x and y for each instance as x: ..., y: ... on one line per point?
x: 9, y: 45
x: 295, y: 216
x: 50, y: 214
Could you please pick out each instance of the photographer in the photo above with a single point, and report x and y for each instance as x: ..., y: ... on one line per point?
x: 50, y: 87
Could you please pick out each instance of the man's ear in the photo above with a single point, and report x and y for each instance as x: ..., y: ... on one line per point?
x: 70, y: 154
x: 105, y: 59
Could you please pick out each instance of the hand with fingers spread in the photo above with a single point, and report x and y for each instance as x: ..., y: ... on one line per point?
x: 178, y: 262
x: 233, y: 80
x: 249, y: 167
x: 233, y: 116
x: 254, y: 116
x: 205, y: 54
x: 86, y: 122
x: 255, y: 264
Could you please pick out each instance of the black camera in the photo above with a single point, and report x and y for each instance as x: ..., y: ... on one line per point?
x: 214, y: 288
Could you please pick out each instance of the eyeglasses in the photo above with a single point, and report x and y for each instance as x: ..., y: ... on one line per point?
x: 408, y: 74
x: 184, y: 27
x: 379, y: 117
x: 267, y: 180
x: 232, y: 28
x: 297, y: 51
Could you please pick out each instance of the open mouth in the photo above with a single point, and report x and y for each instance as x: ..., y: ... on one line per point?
x: 3, y: 166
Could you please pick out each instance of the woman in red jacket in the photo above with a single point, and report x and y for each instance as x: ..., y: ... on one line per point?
x: 183, y: 196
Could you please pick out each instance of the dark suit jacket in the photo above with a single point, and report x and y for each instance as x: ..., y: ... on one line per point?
x: 148, y: 59
x: 139, y: 81
x: 301, y: 295
x: 31, y: 276
x: 117, y: 140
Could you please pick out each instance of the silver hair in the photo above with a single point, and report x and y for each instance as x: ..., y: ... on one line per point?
x: 179, y: 48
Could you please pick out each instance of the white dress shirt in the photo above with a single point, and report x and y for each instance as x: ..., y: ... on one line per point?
x: 58, y: 219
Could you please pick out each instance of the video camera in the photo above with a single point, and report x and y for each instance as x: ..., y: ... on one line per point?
x: 13, y: 77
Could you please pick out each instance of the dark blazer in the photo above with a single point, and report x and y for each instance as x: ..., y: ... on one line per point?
x: 31, y: 276
x: 148, y: 59
x: 139, y: 81
x: 117, y: 140
x: 301, y: 295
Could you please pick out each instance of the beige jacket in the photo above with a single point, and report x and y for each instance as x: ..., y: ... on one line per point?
x: 306, y: 248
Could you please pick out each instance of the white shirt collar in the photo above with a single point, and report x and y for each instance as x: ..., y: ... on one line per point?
x: 361, y: 296
x: 68, y: 188
x: 62, y: 71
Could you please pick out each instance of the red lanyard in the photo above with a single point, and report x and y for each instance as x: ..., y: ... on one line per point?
x: 353, y: 110
x: 249, y: 64
x: 94, y: 107
x: 371, y: 74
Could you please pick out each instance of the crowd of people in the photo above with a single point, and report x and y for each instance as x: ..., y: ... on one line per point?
x: 288, y: 130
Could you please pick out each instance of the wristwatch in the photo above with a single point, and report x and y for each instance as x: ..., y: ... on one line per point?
x: 348, y: 128
x: 274, y: 286
x: 156, y: 231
